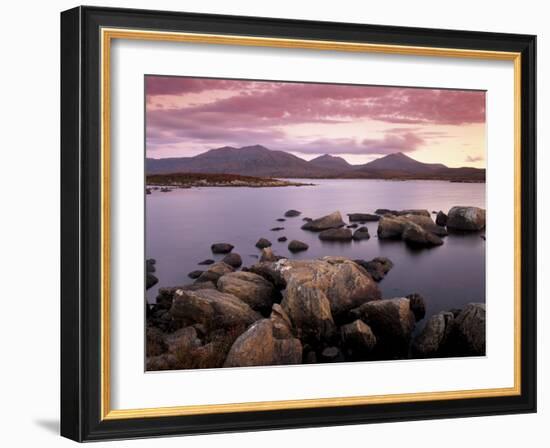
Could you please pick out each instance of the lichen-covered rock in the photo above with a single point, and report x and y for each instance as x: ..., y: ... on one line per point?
x: 466, y: 218
x: 332, y: 221
x: 258, y: 347
x: 211, y: 308
x: 251, y: 288
x: 282, y: 326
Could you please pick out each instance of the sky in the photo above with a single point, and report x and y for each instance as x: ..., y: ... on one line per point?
x: 188, y: 116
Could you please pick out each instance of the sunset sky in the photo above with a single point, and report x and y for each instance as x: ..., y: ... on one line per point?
x: 188, y: 116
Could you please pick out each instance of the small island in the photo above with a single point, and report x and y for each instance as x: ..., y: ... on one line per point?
x: 188, y: 180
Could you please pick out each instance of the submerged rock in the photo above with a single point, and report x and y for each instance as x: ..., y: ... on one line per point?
x: 297, y: 246
x: 282, y: 239
x: 208, y: 261
x: 221, y: 248
x: 281, y: 219
x: 362, y: 233
x: 340, y: 234
x: 364, y: 217
x: 262, y: 243
x: 195, y: 274
x: 292, y: 213
x: 332, y: 221
x: 466, y: 218
x: 276, y: 229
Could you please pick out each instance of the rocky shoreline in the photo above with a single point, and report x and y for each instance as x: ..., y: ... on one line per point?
x: 285, y: 311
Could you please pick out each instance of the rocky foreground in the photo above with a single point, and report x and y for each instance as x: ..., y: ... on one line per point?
x: 283, y: 311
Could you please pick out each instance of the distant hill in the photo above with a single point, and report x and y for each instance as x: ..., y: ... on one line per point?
x: 260, y: 161
x: 331, y: 162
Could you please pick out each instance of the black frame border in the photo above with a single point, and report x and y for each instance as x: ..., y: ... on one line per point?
x: 81, y: 223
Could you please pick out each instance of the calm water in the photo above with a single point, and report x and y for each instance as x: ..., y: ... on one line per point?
x: 181, y: 226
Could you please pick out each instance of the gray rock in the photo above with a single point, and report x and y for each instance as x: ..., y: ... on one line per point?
x: 332, y: 221
x: 341, y: 234
x: 263, y: 243
x: 466, y: 218
x: 427, y: 224
x: 331, y: 354
x: 221, y: 248
x: 415, y: 235
x: 467, y: 335
x: 297, y: 246
x: 234, y: 260
x: 362, y: 233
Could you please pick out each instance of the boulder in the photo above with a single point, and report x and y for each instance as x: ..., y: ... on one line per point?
x: 416, y: 236
x: 391, y: 227
x: 263, y: 243
x: 377, y: 267
x: 364, y: 217
x: 467, y: 333
x: 195, y: 274
x: 427, y: 224
x: 308, y: 308
x: 332, y: 221
x: 292, y: 213
x: 357, y: 338
x: 257, y: 346
x: 392, y: 321
x: 340, y: 234
x: 282, y: 326
x: 441, y: 219
x: 234, y: 260
x: 431, y: 339
x: 211, y: 308
x: 417, y: 305
x: 340, y: 280
x: 251, y: 288
x: 297, y: 246
x: 214, y: 272
x: 221, y: 248
x: 362, y: 233
x: 466, y: 218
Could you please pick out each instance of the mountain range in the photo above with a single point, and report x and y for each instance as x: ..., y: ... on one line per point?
x: 260, y: 161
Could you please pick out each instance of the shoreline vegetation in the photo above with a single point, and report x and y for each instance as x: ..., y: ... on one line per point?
x: 189, y: 180
x: 282, y: 311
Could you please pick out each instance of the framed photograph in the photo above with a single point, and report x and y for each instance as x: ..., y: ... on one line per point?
x: 273, y: 223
